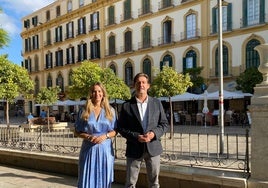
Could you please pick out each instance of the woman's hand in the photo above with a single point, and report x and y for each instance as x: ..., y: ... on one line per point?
x: 98, y: 139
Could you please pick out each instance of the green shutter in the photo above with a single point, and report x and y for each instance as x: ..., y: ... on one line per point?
x: 229, y: 17
x: 214, y: 20
x: 262, y: 11
x: 245, y: 13
x: 161, y: 65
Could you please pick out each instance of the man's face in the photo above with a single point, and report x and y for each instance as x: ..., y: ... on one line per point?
x: 142, y: 85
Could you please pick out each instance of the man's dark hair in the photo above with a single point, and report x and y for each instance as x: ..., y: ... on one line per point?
x: 141, y: 74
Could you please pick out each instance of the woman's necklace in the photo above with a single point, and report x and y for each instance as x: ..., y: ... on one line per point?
x: 97, y: 110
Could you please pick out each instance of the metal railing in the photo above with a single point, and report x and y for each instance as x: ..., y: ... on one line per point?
x: 199, y: 148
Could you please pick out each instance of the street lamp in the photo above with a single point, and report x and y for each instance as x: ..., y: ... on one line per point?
x: 221, y: 97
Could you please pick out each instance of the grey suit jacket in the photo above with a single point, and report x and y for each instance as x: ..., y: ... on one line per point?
x: 130, y: 126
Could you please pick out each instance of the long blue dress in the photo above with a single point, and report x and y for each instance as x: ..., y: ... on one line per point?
x: 96, y: 161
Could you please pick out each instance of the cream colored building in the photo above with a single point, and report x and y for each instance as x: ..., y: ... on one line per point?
x: 132, y: 36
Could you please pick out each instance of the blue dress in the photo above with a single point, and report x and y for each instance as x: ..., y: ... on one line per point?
x: 96, y: 161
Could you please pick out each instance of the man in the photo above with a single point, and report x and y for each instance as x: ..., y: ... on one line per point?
x: 142, y: 122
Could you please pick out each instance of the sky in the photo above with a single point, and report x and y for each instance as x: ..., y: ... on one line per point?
x: 10, y: 20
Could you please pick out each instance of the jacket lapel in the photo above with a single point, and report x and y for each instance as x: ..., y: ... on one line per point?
x: 134, y: 108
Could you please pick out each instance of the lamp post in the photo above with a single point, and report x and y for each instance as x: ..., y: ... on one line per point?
x: 221, y: 97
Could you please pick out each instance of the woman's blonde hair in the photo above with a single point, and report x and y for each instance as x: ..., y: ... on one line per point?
x: 89, y: 106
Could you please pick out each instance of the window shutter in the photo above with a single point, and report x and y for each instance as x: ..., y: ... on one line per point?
x: 161, y: 65
x: 214, y: 20
x: 245, y: 13
x: 184, y: 64
x: 262, y: 11
x: 229, y: 17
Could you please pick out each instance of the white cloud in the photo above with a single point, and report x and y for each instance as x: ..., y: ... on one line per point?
x: 14, y: 10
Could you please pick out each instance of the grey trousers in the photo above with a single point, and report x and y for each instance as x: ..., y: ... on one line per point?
x: 152, y: 168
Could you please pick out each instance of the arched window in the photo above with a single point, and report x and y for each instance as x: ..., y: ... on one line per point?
x: 146, y: 37
x: 167, y: 32
x: 112, y: 45
x: 128, y: 73
x: 49, y: 81
x: 189, y: 61
x: 60, y: 82
x: 252, y: 56
x: 112, y: 66
x: 225, y: 61
x: 191, y: 30
x: 128, y: 41
x: 147, y: 67
x: 36, y: 86
x: 167, y: 61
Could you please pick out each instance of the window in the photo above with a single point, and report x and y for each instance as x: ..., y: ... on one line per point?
x: 49, y: 60
x: 191, y: 26
x: 60, y: 82
x: 128, y: 41
x: 49, y: 81
x: 81, y: 3
x: 48, y: 35
x: 189, y: 61
x: 36, y: 86
x: 166, y: 3
x: 34, y: 21
x: 69, y: 6
x: 128, y: 74
x: 48, y: 15
x: 112, y: 66
x: 127, y: 9
x: 70, y: 78
x: 167, y: 25
x: 27, y: 23
x: 28, y: 64
x: 82, y: 52
x: 147, y: 67
x: 27, y: 44
x: 112, y: 45
x: 111, y: 19
x: 59, y: 58
x: 82, y: 26
x: 35, y: 42
x: 58, y: 11
x: 146, y: 37
x: 70, y: 30
x: 167, y: 61
x: 146, y: 7
x: 58, y: 33
x: 252, y: 56
x: 70, y: 55
x: 226, y: 18
x: 253, y: 12
x: 95, y: 49
x: 94, y: 21
x: 225, y: 63
x: 36, y: 63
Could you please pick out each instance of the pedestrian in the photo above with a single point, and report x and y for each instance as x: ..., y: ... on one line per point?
x: 43, y: 114
x: 95, y: 124
x: 142, y: 121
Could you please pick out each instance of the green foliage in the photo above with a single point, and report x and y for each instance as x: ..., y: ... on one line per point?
x: 116, y: 88
x: 248, y: 80
x: 4, y: 38
x: 169, y: 83
x: 196, y: 79
x: 88, y: 74
x: 47, y: 96
x: 14, y: 80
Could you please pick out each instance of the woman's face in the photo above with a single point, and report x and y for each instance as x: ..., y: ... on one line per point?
x: 97, y: 94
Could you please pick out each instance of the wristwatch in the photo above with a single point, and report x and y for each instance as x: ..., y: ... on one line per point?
x: 107, y: 135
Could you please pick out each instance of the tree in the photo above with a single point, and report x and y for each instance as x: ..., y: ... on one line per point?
x: 4, y: 38
x: 248, y: 80
x: 88, y: 74
x: 14, y: 80
x: 169, y: 83
x: 46, y: 97
x: 196, y: 79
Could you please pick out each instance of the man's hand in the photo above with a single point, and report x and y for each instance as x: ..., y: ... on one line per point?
x: 146, y: 137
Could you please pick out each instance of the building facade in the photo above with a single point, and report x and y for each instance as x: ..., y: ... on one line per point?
x: 138, y: 36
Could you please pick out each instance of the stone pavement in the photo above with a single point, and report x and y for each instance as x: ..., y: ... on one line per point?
x: 15, y: 177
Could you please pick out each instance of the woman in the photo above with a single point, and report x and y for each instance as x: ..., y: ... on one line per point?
x: 96, y: 124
